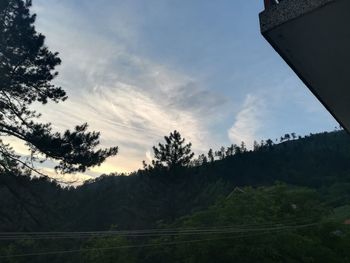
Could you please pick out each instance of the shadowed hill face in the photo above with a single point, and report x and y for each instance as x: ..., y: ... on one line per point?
x: 146, y: 198
x: 284, y: 221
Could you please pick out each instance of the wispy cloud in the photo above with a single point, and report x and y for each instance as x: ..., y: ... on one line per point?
x: 249, y: 121
x: 131, y: 99
x: 136, y: 71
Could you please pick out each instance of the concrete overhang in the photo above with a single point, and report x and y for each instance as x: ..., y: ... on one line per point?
x: 313, y: 37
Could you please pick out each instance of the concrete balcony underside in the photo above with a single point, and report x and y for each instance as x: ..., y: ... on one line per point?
x: 313, y: 37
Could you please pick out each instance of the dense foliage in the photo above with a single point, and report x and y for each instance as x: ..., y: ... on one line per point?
x: 27, y: 68
x: 173, y: 154
x: 286, y: 200
x: 229, y: 208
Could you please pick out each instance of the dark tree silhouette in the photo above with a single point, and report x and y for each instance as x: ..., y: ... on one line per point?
x: 287, y: 137
x: 220, y: 153
x: 293, y: 135
x: 27, y: 68
x: 211, y: 155
x: 174, y: 153
x: 201, y: 160
x: 256, y: 146
x: 269, y: 143
x: 243, y: 147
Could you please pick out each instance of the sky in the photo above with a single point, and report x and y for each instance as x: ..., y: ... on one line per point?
x: 136, y: 70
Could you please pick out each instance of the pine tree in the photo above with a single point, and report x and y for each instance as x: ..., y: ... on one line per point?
x: 256, y: 146
x: 27, y: 68
x: 230, y: 150
x: 202, y: 159
x: 211, y: 155
x: 174, y: 153
x: 269, y: 143
x: 243, y: 147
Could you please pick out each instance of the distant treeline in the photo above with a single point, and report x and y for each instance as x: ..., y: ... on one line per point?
x: 237, y: 190
x: 283, y: 201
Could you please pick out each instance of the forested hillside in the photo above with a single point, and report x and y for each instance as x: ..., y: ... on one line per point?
x: 285, y: 200
x: 296, y: 191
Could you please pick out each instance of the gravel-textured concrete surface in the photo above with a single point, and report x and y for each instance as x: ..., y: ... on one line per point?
x: 313, y: 37
x: 287, y: 10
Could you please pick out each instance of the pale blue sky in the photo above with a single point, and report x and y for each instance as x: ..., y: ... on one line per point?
x: 138, y: 69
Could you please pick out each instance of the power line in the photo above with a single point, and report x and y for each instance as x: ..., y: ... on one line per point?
x: 157, y: 230
x: 286, y: 221
x: 145, y: 245
x: 178, y: 232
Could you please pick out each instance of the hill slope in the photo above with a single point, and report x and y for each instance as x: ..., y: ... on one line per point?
x: 144, y: 198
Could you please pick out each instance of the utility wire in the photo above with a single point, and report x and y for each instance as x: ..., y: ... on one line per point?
x: 286, y: 221
x: 173, y: 230
x: 82, y: 235
x: 144, y: 245
x: 151, y: 231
